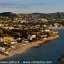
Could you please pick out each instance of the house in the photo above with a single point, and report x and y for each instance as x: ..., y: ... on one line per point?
x: 1, y: 39
x: 43, y: 36
x: 13, y: 42
x: 2, y: 49
x: 8, y: 39
x: 47, y: 30
x: 31, y: 37
x: 56, y: 25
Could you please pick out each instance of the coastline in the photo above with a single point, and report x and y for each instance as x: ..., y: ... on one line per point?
x: 26, y: 46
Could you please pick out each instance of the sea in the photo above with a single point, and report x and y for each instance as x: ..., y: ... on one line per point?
x: 47, y: 53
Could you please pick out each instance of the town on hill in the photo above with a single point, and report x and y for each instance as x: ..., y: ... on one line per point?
x: 21, y: 29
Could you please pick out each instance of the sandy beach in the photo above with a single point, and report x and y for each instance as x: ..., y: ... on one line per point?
x: 23, y: 47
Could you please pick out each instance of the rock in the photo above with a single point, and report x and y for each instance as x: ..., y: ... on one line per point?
x: 61, y: 59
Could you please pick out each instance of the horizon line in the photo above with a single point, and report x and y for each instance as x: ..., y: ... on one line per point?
x: 31, y: 12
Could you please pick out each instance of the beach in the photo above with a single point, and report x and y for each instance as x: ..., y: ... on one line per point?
x: 23, y: 47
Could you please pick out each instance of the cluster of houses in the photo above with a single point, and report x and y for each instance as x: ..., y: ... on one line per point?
x: 5, y: 42
x: 35, y: 33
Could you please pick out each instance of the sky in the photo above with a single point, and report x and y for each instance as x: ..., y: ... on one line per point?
x: 32, y: 6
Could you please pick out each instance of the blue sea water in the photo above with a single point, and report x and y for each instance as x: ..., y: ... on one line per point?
x: 47, y: 52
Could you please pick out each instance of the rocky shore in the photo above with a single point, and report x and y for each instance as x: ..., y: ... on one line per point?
x: 23, y: 47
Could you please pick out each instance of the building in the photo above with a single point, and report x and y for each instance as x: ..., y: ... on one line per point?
x: 31, y: 37
x: 8, y: 39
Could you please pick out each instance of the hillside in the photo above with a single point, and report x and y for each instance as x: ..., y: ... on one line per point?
x: 57, y: 15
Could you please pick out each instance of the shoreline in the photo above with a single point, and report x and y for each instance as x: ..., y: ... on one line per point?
x: 26, y: 46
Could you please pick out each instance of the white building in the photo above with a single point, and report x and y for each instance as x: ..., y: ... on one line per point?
x: 30, y: 37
